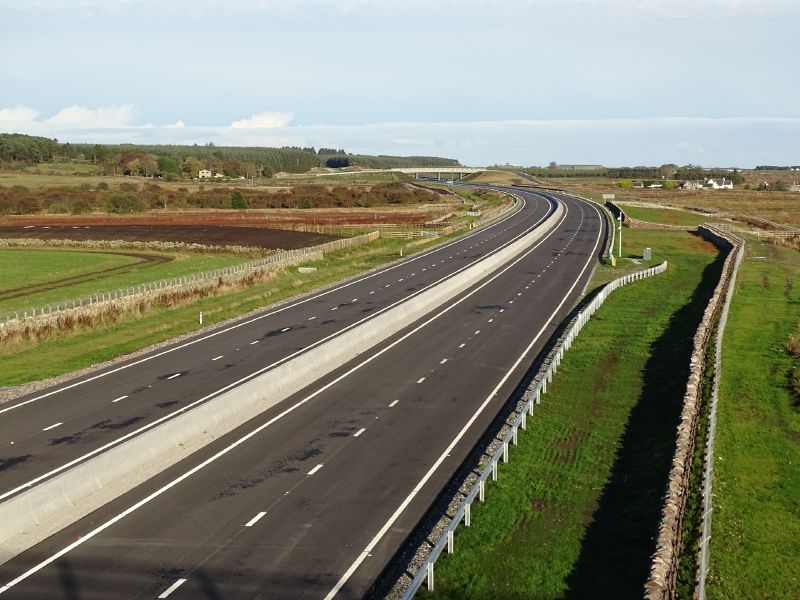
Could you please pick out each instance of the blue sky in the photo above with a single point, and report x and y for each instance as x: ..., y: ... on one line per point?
x: 712, y: 82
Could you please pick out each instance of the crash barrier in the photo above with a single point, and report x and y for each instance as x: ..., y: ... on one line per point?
x: 531, y: 397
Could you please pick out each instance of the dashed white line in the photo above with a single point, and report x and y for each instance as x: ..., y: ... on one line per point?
x: 51, y: 427
x: 372, y: 292
x: 399, y: 280
x: 172, y: 588
x: 359, y: 432
x: 444, y: 360
x: 315, y: 469
x: 312, y: 318
x: 285, y: 329
x: 502, y: 309
x: 254, y: 343
x: 477, y: 332
x: 461, y: 345
x: 490, y: 320
x: 118, y: 399
x: 217, y: 357
x: 421, y: 379
x: 335, y: 308
x: 393, y: 403
x: 174, y: 376
x: 255, y: 519
x: 354, y: 300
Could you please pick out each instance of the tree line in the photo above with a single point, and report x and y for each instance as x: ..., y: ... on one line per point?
x: 179, y: 161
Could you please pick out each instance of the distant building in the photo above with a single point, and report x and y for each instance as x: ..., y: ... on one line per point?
x: 689, y: 185
x: 654, y: 186
x: 580, y: 167
x: 219, y: 175
x: 722, y: 184
x: 204, y: 174
x: 795, y: 187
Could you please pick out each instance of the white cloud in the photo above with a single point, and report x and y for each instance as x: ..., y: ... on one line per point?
x: 18, y: 116
x: 80, y: 117
x: 265, y: 120
x: 177, y: 125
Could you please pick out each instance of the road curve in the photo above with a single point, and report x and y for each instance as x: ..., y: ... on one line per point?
x: 312, y: 498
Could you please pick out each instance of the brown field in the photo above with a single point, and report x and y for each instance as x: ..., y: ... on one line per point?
x: 209, y: 235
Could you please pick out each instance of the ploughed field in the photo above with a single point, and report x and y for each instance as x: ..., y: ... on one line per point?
x: 209, y: 235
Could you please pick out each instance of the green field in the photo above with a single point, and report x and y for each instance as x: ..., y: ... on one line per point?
x: 79, y: 350
x: 574, y: 512
x: 664, y: 215
x: 755, y: 543
x: 55, y: 275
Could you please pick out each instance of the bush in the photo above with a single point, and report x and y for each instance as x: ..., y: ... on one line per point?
x: 238, y: 200
x: 625, y: 184
x: 670, y: 185
x: 125, y: 203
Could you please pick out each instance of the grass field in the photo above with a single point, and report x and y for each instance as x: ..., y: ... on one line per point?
x: 34, y: 277
x: 755, y: 543
x: 574, y: 512
x: 82, y: 349
x: 664, y: 215
x: 497, y: 177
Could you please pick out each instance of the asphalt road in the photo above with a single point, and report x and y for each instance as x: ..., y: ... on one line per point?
x: 42, y: 434
x: 313, y: 498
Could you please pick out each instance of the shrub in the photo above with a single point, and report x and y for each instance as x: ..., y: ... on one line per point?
x: 625, y: 184
x: 125, y: 203
x: 238, y: 200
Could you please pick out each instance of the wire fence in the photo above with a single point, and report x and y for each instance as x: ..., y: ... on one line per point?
x: 280, y: 258
x: 532, y: 397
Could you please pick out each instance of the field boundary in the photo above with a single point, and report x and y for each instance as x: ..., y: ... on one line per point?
x: 29, y: 318
x: 708, y: 458
x: 531, y: 397
x: 661, y: 583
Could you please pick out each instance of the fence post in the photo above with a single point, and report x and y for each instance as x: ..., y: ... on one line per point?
x: 430, y: 576
x: 450, y: 542
x: 467, y: 514
x: 494, y: 470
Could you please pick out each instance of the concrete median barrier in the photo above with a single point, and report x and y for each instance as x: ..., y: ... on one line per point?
x: 33, y: 515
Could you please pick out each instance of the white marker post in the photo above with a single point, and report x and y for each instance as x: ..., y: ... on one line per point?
x: 619, y: 218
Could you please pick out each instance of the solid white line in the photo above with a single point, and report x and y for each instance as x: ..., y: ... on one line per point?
x: 174, y: 376
x: 285, y: 329
x: 359, y: 432
x: 264, y: 316
x: 255, y: 519
x: 118, y: 399
x: 217, y: 357
x: 393, y: 403
x: 315, y: 469
x: 374, y: 542
x: 421, y: 379
x: 172, y: 588
x: 51, y: 427
x: 131, y: 509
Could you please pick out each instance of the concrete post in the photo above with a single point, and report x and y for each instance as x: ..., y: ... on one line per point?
x: 467, y: 515
x: 430, y: 576
x: 505, y: 452
x: 514, y: 436
x: 523, y: 422
x: 494, y: 470
x: 481, y: 489
x: 450, y: 542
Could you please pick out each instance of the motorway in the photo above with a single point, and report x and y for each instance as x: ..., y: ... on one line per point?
x: 47, y: 432
x: 312, y: 498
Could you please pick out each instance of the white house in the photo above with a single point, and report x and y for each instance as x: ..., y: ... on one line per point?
x: 204, y: 174
x: 722, y: 184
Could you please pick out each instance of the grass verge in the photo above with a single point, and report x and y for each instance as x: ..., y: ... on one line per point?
x: 663, y: 215
x: 755, y: 541
x: 575, y: 511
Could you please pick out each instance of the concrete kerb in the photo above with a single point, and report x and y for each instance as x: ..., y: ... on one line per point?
x: 35, y: 514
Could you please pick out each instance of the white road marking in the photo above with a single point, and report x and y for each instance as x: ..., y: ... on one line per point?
x: 51, y: 427
x: 477, y: 332
x: 421, y: 379
x: 372, y: 292
x: 359, y: 432
x: 176, y: 375
x: 354, y: 300
x: 285, y: 329
x: 255, y: 519
x: 502, y: 309
x: 312, y: 318
x: 511, y: 302
x: 399, y: 280
x: 519, y: 293
x: 217, y: 357
x: 131, y: 509
x: 444, y: 360
x: 172, y: 588
x: 418, y: 487
x: 335, y: 308
x: 393, y: 403
x: 315, y: 469
x: 254, y: 343
x: 461, y: 345
x: 118, y: 399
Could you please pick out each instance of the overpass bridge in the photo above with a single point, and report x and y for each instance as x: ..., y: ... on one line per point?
x: 448, y: 173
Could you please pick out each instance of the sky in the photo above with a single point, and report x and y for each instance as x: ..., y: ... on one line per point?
x: 612, y: 82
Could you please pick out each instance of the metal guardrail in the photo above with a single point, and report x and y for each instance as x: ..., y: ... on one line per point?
x: 532, y: 397
x: 705, y: 526
x: 286, y: 256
